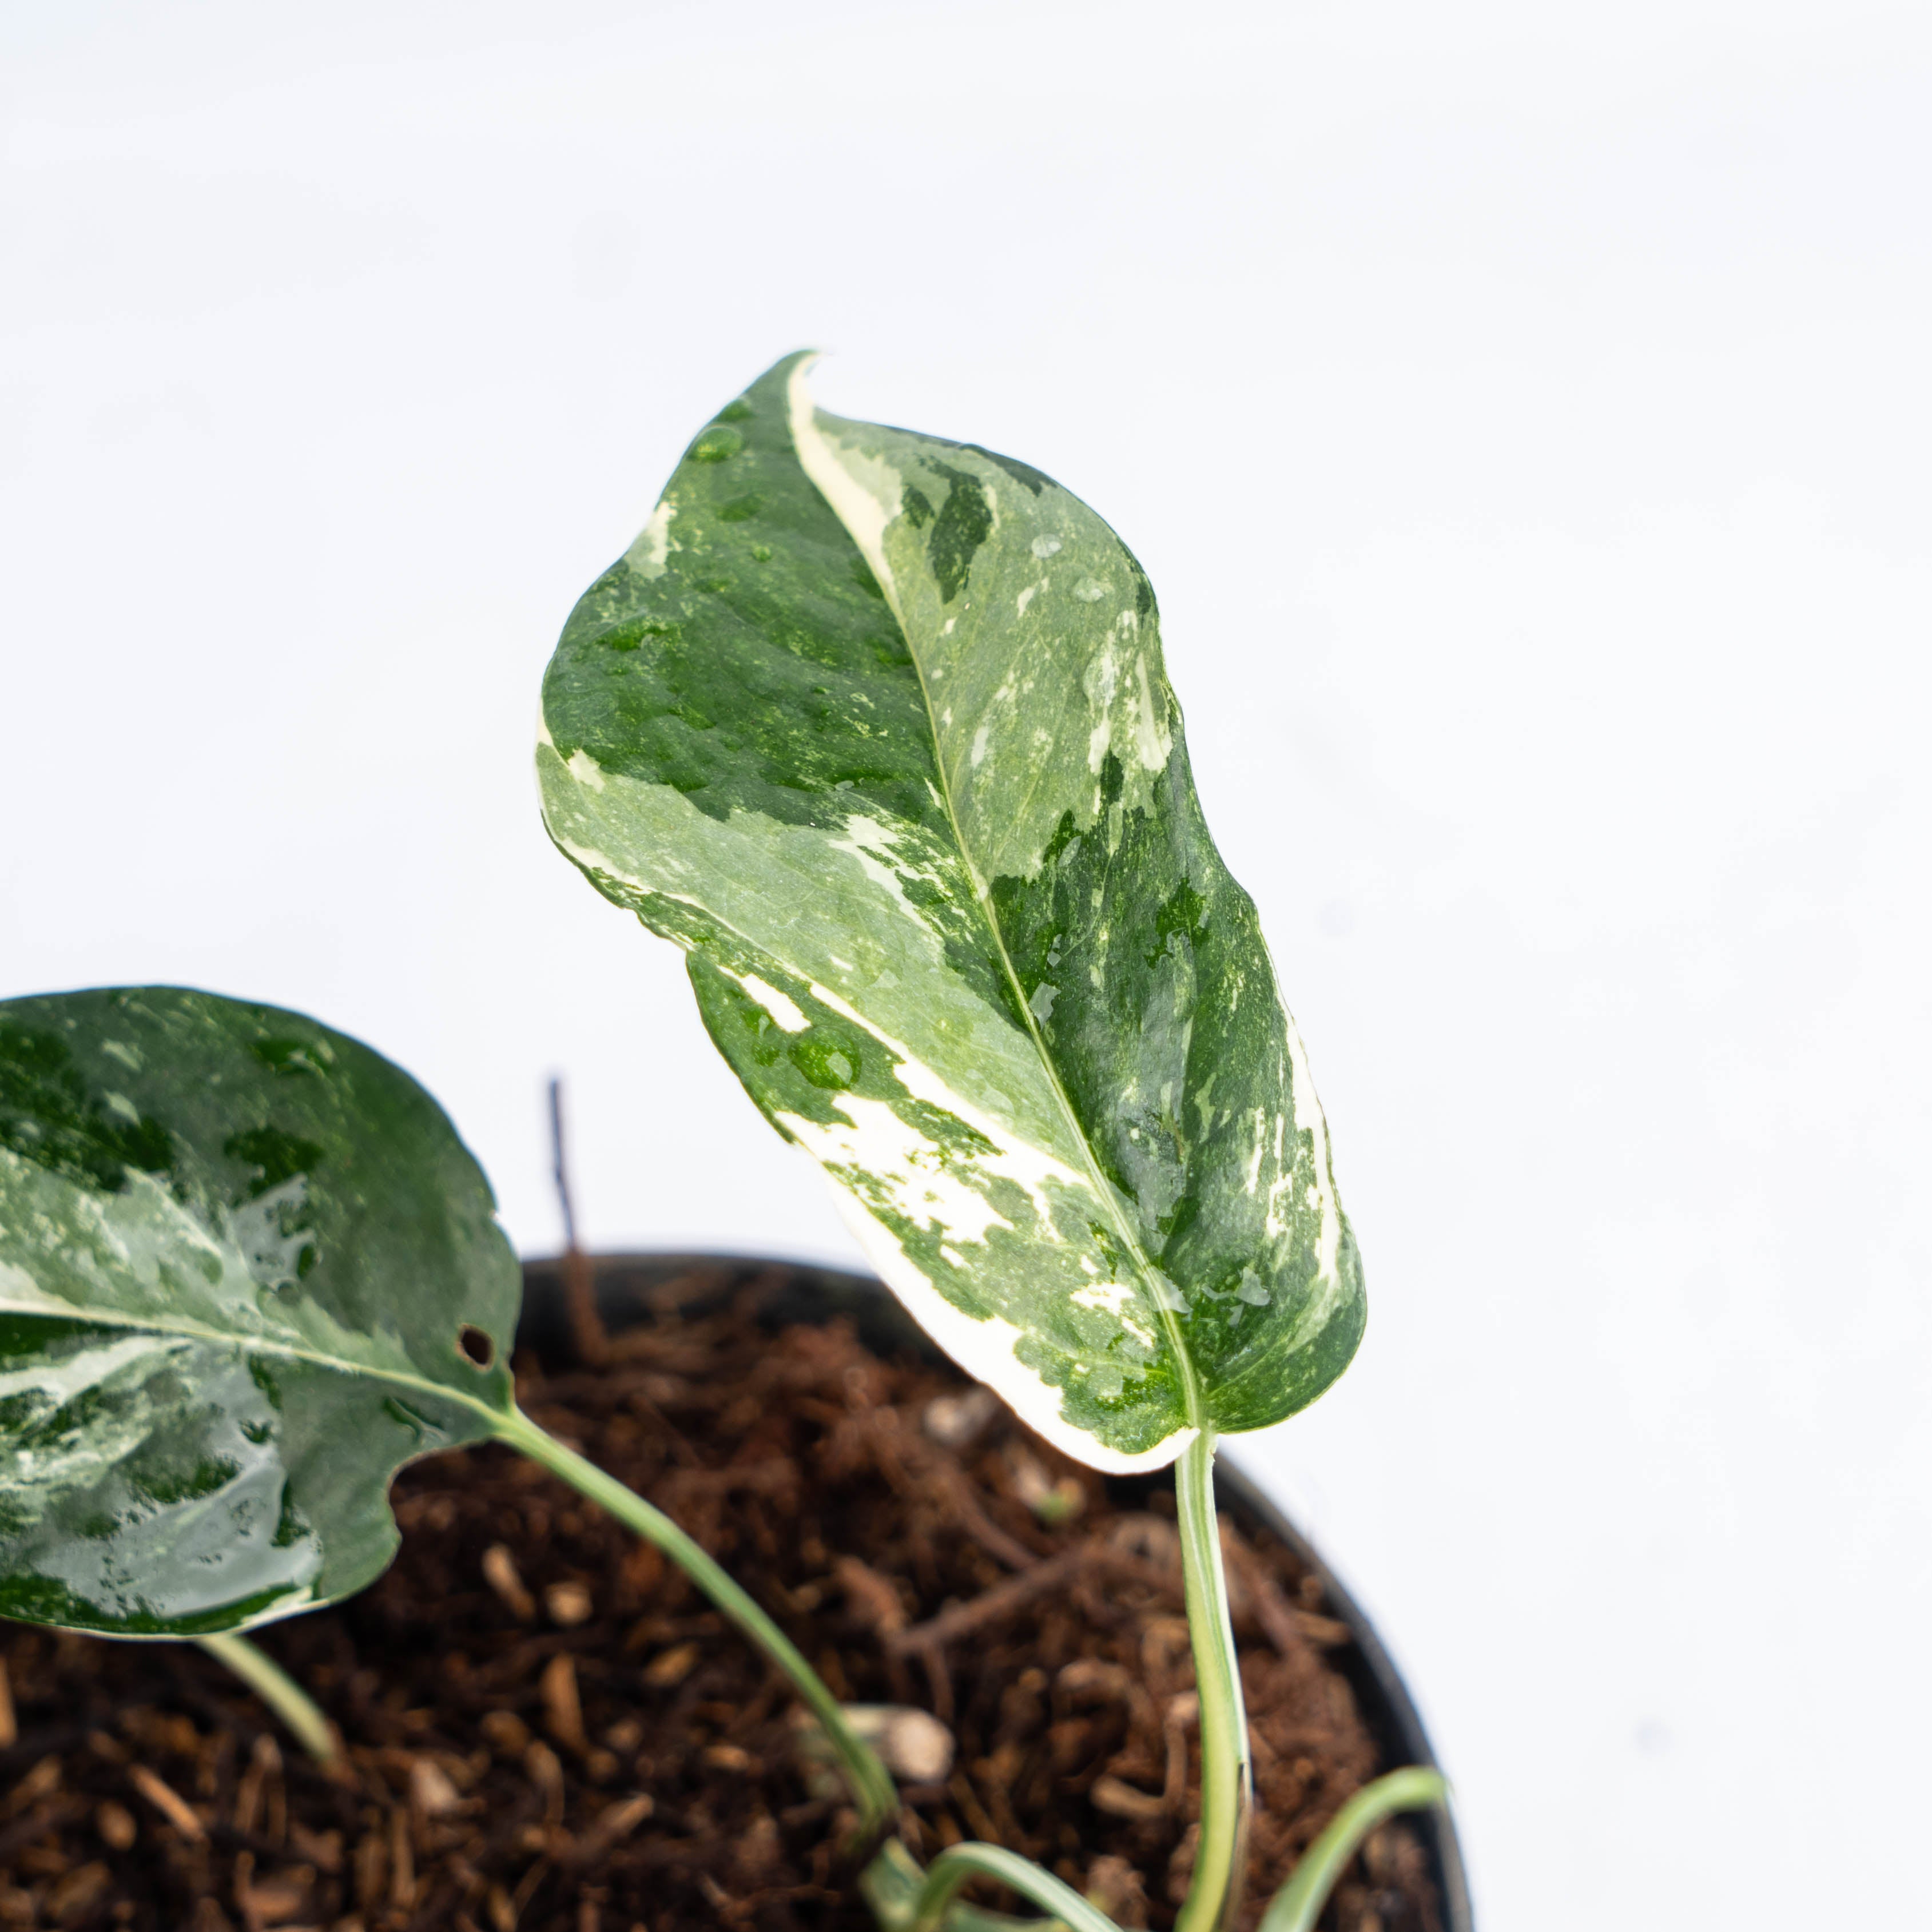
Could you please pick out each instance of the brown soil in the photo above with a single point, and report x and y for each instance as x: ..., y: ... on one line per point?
x: 549, y: 1729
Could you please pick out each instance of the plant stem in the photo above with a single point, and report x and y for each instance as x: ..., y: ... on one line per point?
x: 279, y: 1691
x: 1298, y: 1904
x: 953, y: 1868
x: 872, y: 1786
x: 1226, y: 1790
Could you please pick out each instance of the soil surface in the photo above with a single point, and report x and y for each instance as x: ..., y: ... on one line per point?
x: 548, y: 1729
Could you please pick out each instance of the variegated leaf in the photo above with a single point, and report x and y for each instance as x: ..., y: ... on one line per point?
x: 237, y: 1254
x: 876, y: 727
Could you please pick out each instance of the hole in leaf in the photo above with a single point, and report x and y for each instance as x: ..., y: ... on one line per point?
x: 476, y: 1345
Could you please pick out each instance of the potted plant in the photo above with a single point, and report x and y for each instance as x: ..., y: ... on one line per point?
x: 876, y: 727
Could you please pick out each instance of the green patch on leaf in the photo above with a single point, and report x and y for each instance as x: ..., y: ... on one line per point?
x: 48, y: 1115
x: 964, y: 522
x: 276, y: 1156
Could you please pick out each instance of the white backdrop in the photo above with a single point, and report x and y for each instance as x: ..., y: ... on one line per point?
x: 1524, y: 414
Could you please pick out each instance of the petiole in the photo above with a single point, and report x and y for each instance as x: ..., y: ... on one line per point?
x: 279, y: 1691
x: 1298, y: 1904
x: 1220, y: 1861
x: 872, y: 1787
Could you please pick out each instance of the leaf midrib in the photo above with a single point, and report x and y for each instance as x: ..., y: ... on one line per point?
x: 1102, y: 1188
x: 194, y: 1331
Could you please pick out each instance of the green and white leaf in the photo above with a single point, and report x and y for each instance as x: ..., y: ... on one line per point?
x: 237, y: 1251
x: 876, y: 727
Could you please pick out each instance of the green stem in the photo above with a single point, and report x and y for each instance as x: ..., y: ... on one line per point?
x: 1298, y: 1904
x: 871, y: 1783
x: 954, y: 1866
x: 278, y: 1690
x: 1214, y: 1895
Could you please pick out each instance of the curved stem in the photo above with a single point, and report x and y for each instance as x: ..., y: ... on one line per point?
x: 954, y: 1866
x: 1214, y: 1895
x: 1298, y: 1904
x: 872, y: 1787
x: 278, y: 1690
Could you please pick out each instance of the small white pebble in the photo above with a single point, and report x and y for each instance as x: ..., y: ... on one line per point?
x: 568, y: 1603
x: 954, y: 1420
x: 430, y: 1791
x: 916, y: 1747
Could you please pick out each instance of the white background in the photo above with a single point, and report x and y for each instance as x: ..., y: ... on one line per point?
x: 1524, y: 414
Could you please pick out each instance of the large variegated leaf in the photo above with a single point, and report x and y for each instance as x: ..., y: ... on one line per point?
x: 238, y: 1253
x: 876, y: 727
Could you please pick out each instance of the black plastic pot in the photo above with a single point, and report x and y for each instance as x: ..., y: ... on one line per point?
x: 623, y: 1285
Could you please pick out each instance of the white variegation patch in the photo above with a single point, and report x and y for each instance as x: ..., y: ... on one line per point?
x: 799, y: 896
x: 876, y: 848
x: 266, y: 1232
x: 1309, y: 1120
x: 1153, y: 740
x: 875, y: 1152
x: 652, y: 551
x: 785, y: 1010
x: 987, y: 1349
x: 57, y: 1380
x: 1118, y: 1299
x: 21, y: 1294
x: 865, y: 491
x: 1031, y: 1167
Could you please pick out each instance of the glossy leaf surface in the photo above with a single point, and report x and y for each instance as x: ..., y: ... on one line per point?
x: 238, y: 1253
x: 876, y: 728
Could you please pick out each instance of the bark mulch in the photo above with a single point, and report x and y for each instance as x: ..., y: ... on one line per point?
x: 547, y: 1728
